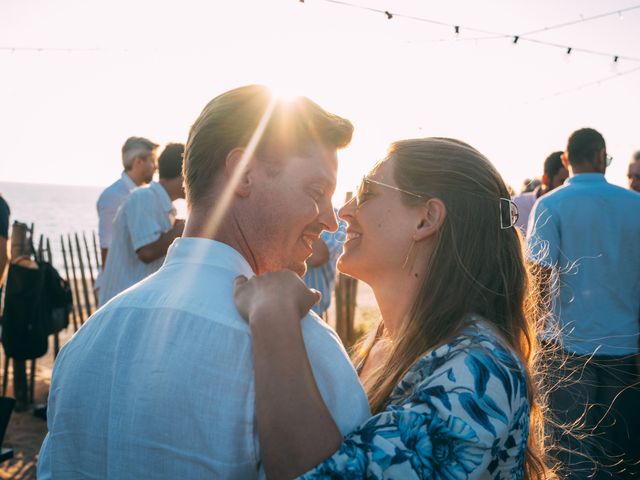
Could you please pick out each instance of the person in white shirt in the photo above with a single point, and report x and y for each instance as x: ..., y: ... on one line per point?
x: 159, y: 383
x: 139, y: 162
x: 144, y: 228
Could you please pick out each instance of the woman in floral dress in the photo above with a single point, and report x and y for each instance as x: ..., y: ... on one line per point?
x: 448, y: 372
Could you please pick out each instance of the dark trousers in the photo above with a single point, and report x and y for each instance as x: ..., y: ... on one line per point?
x: 596, y: 401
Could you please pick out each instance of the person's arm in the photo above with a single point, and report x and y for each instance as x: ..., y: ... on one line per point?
x: 107, y: 210
x: 152, y: 251
x: 445, y: 405
x: 5, y: 256
x: 273, y: 304
x: 320, y: 254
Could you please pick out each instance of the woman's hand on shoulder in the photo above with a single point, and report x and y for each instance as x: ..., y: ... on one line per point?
x: 276, y: 296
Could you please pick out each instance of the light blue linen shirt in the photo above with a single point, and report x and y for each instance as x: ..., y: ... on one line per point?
x: 588, y: 230
x: 159, y: 382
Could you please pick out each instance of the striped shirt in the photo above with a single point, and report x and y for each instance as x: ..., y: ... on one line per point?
x: 323, y: 278
x: 145, y: 215
x: 109, y: 202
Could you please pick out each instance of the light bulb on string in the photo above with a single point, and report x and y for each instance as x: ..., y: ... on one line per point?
x: 614, y: 65
x: 620, y: 16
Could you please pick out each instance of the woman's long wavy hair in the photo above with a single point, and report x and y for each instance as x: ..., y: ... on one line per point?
x: 476, y: 267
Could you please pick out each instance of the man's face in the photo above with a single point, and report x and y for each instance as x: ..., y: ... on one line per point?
x: 291, y: 208
x: 147, y: 164
x: 633, y: 174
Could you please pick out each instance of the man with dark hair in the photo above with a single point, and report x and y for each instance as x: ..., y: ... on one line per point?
x: 580, y: 238
x: 139, y: 162
x: 144, y: 227
x: 554, y: 176
x: 633, y: 174
x: 164, y: 371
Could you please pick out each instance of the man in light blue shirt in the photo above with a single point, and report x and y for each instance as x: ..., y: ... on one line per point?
x: 584, y: 236
x: 159, y: 383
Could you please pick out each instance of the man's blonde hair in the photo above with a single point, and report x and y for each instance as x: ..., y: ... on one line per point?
x: 229, y: 120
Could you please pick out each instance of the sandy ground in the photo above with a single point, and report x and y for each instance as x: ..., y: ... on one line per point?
x: 26, y: 432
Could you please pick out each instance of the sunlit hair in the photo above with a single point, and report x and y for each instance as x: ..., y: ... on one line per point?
x: 476, y: 267
x: 136, y: 147
x: 229, y: 121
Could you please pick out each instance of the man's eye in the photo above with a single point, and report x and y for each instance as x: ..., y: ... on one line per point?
x: 316, y: 193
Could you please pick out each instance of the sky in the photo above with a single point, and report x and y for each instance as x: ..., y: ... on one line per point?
x: 79, y: 77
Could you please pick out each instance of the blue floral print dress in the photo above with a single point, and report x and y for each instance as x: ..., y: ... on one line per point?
x: 461, y: 412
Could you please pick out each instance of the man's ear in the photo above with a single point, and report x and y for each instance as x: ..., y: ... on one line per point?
x: 432, y: 218
x: 239, y: 171
x: 565, y: 160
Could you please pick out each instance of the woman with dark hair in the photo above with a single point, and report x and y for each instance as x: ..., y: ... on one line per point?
x: 449, y: 372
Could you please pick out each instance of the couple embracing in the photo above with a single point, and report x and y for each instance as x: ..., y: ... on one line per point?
x: 214, y: 366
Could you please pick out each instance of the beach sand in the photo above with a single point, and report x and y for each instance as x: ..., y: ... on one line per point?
x: 26, y: 432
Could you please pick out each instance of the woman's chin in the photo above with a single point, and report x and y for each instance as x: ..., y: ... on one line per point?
x: 348, y: 265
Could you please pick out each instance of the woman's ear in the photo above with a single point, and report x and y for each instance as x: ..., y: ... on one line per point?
x: 431, y: 220
x: 239, y: 171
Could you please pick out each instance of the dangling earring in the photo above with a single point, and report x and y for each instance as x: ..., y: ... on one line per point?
x: 409, y: 254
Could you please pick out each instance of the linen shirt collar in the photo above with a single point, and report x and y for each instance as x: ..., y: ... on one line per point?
x: 196, y: 250
x: 587, y: 178
x: 126, y: 179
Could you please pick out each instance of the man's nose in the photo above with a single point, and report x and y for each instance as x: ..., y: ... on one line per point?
x: 330, y: 221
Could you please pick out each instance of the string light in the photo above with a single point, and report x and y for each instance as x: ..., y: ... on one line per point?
x: 388, y: 14
x: 496, y: 35
x: 569, y: 51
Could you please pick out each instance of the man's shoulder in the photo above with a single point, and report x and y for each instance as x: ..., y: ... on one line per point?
x: 317, y: 333
x: 114, y: 191
x: 141, y: 195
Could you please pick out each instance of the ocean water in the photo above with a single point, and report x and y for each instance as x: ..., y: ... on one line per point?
x: 57, y: 210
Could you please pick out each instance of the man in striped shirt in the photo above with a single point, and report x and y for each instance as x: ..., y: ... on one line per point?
x: 144, y: 228
x: 321, y: 265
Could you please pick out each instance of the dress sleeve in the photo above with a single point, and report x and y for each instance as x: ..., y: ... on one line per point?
x: 457, y: 423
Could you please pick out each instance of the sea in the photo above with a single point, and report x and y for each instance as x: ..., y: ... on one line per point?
x: 58, y: 210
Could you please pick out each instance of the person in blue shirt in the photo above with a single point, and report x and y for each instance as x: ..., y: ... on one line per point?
x: 321, y: 266
x: 583, y: 237
x: 448, y: 371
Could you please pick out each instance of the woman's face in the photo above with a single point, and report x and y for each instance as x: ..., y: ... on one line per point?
x: 381, y: 228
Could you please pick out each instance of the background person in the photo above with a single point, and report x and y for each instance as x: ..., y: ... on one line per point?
x: 580, y: 238
x: 144, y: 228
x: 5, y: 251
x: 321, y: 265
x: 139, y: 162
x: 554, y: 176
x: 633, y: 173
